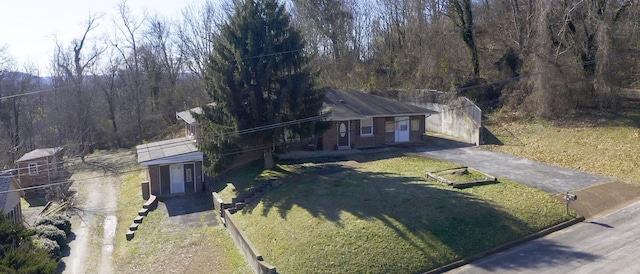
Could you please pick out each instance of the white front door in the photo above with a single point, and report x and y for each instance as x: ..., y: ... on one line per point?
x: 402, y: 129
x: 177, y: 178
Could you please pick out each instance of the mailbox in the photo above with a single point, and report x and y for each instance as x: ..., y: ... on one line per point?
x: 570, y: 197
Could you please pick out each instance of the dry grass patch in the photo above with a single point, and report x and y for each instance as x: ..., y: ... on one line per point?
x: 606, y: 145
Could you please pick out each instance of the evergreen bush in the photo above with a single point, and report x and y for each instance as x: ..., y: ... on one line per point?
x: 62, y: 222
x: 52, y: 246
x: 53, y: 233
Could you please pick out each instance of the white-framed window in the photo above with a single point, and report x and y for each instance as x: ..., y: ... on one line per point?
x: 18, y: 210
x: 366, y: 126
x: 189, y: 178
x: 389, y: 126
x: 415, y: 124
x: 33, y: 168
x: 192, y: 130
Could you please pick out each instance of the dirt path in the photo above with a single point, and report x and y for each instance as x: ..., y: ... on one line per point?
x: 94, y: 219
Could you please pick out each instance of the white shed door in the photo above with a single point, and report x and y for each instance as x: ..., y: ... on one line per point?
x: 177, y: 178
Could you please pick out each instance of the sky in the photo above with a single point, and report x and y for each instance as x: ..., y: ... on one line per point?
x: 28, y: 27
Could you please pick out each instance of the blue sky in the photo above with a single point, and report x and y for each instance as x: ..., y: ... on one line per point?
x: 27, y: 27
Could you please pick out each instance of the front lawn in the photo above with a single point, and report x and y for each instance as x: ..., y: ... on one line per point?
x: 377, y: 213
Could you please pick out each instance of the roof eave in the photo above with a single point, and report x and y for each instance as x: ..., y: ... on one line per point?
x: 378, y: 116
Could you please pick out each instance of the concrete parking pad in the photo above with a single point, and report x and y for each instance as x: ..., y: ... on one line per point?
x: 549, y: 178
x: 193, y: 210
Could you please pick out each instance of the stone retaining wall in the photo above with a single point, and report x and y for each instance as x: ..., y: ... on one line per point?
x: 251, y: 254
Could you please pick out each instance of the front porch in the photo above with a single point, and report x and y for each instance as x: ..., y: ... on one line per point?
x: 428, y: 140
x: 307, y: 154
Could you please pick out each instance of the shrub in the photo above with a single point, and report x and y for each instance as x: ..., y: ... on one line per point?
x: 52, y: 233
x: 62, y: 222
x: 17, y: 252
x: 28, y: 259
x: 52, y: 246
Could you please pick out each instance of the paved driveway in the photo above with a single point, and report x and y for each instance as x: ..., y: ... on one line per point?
x: 552, y: 179
x: 609, y: 244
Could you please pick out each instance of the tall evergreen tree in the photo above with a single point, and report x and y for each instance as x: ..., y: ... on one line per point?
x: 257, y: 76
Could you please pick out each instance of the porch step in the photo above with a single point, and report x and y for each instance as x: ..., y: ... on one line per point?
x: 151, y: 203
x: 138, y: 219
x: 130, y: 235
x: 143, y: 212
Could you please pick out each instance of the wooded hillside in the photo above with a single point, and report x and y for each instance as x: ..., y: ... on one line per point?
x: 120, y: 82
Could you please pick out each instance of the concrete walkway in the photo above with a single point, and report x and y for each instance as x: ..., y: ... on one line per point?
x: 549, y: 178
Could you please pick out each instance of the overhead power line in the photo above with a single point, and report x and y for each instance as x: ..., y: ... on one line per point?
x: 56, y: 183
x: 76, y: 85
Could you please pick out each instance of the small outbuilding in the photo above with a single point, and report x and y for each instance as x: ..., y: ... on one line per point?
x: 10, y: 198
x: 40, y: 167
x: 173, y: 166
x: 190, y: 122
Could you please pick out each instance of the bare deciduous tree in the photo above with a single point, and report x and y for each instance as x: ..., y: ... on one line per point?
x: 72, y: 66
x: 126, y: 42
x: 197, y: 31
x: 109, y: 81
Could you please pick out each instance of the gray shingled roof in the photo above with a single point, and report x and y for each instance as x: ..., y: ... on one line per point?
x: 186, y: 115
x: 39, y: 153
x: 352, y: 105
x: 164, y: 149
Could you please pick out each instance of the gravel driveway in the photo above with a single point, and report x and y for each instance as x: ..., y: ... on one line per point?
x: 549, y: 178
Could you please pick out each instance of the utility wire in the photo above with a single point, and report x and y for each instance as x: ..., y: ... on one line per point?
x: 55, y: 183
x: 76, y: 85
x: 229, y: 152
x: 320, y: 117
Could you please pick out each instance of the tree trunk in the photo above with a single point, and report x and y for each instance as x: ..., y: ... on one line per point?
x: 463, y: 18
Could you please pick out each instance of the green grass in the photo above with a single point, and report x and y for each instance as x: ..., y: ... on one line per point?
x: 247, y: 178
x: 602, y: 144
x: 162, y: 247
x: 380, y: 215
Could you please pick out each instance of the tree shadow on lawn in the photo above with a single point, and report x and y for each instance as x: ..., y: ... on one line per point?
x: 416, y: 210
x: 246, y: 177
x: 243, y: 178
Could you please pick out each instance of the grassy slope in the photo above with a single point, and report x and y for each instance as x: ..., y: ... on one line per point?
x: 163, y: 249
x: 381, y: 215
x: 604, y: 144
